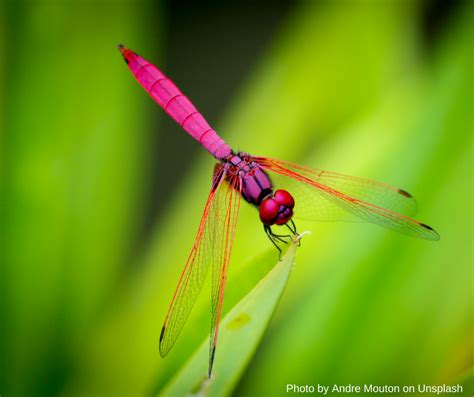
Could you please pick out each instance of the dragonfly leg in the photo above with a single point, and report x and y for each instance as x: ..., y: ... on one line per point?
x: 281, y: 238
x: 293, y: 230
x: 277, y: 237
x: 268, y: 232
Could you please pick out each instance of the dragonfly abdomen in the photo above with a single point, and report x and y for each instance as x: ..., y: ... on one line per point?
x: 175, y: 103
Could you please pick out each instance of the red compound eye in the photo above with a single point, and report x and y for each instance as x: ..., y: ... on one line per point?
x: 269, y: 211
x: 284, y: 198
x: 277, y: 208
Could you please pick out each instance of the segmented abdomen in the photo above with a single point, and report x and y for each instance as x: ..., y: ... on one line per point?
x: 179, y: 107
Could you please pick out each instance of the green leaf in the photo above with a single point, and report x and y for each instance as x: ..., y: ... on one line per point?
x: 239, y: 334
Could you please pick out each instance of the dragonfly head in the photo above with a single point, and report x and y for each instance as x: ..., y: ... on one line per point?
x: 277, y: 208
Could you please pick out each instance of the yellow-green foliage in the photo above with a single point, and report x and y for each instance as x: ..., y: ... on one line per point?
x: 346, y: 86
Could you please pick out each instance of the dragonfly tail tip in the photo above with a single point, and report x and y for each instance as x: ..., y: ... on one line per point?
x: 122, y: 48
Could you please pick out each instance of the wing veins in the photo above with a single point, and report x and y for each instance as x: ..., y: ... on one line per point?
x: 362, y: 209
x: 177, y: 313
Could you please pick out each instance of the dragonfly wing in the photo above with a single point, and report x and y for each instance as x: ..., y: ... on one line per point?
x: 228, y: 203
x: 328, y: 196
x: 201, y: 256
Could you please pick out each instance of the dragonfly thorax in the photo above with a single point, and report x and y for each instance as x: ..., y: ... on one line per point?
x: 274, y: 207
x: 255, y: 183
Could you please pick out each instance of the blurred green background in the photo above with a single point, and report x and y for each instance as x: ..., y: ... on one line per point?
x: 102, y: 194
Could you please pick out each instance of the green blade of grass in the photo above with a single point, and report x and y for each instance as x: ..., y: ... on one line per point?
x: 240, y: 332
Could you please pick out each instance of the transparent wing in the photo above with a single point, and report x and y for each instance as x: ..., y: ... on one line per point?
x: 212, y: 246
x: 228, y: 204
x: 328, y: 196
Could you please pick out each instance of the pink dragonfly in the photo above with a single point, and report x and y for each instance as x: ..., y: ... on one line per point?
x: 320, y: 196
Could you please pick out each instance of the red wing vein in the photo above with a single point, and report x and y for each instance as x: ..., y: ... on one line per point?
x: 195, y: 270
x: 319, y: 193
x: 376, y: 193
x: 219, y: 270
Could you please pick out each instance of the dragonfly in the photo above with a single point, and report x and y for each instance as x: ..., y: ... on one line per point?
x: 264, y: 183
